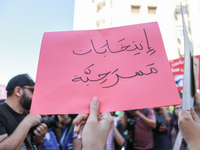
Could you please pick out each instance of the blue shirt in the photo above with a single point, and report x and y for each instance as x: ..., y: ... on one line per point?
x: 66, y: 140
x: 50, y: 141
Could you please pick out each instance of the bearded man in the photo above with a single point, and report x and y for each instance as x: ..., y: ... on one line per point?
x: 15, y: 121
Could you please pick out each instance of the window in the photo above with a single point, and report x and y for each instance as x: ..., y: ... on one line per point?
x: 100, y: 5
x: 179, y: 32
x: 135, y: 9
x: 152, y: 10
x: 100, y: 22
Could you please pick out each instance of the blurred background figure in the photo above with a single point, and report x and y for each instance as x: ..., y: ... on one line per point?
x: 116, y: 138
x: 139, y: 124
x: 50, y: 140
x: 15, y: 120
x: 68, y: 139
x: 173, y: 129
x: 163, y: 117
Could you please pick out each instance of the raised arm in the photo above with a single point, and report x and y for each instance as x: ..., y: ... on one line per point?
x: 189, y: 125
x: 150, y: 122
x: 118, y: 136
x: 166, y: 114
x: 15, y: 140
x: 96, y: 129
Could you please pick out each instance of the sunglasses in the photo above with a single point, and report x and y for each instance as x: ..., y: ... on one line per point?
x: 29, y: 88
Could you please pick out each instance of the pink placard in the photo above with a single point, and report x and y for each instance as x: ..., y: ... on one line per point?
x: 125, y: 67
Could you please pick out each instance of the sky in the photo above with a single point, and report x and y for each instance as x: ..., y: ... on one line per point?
x: 22, y: 25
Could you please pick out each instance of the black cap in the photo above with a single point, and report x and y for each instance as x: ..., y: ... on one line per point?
x: 19, y: 80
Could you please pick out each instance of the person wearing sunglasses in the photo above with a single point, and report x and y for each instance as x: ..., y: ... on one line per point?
x: 15, y: 122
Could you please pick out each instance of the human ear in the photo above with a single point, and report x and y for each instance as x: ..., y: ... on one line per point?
x: 18, y: 91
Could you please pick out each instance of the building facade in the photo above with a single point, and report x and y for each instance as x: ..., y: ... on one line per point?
x: 98, y: 14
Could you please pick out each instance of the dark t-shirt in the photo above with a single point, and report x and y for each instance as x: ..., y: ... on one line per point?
x: 6, y: 124
x: 121, y: 131
x: 161, y: 141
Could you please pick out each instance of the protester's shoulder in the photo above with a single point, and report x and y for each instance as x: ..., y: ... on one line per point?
x: 149, y: 110
x: 2, y: 101
x: 3, y: 115
x: 150, y: 113
x: 2, y: 105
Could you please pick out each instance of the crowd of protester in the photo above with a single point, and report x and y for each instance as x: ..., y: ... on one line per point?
x: 144, y: 129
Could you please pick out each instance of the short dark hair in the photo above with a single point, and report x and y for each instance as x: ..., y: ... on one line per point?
x: 9, y: 93
x: 19, y: 80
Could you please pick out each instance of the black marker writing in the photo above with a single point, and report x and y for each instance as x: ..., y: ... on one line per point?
x: 82, y: 53
x: 101, y: 76
x: 124, y: 47
x: 87, y: 70
x: 138, y: 73
x: 152, y: 70
x: 150, y: 48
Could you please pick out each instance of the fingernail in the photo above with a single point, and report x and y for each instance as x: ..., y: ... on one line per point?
x: 75, y: 128
x: 79, y: 136
x: 192, y: 109
x: 95, y: 100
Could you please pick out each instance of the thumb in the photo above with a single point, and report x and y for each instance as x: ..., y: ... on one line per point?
x: 194, y: 115
x: 94, y: 109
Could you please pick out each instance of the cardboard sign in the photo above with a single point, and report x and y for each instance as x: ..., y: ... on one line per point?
x: 177, y: 66
x: 125, y: 67
x: 190, y: 75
